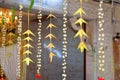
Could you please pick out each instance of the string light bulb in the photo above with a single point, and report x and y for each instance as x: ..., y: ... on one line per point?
x: 64, y: 52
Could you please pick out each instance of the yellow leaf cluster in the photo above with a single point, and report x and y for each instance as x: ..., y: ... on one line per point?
x: 50, y: 45
x: 28, y: 32
x: 51, y: 26
x: 82, y: 46
x: 50, y: 36
x: 27, y: 61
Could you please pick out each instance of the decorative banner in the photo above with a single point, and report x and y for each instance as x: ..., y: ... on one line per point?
x: 81, y: 33
x: 39, y: 49
x: 19, y: 41
x: 101, y: 54
x: 64, y: 52
x: 27, y: 60
x: 50, y: 35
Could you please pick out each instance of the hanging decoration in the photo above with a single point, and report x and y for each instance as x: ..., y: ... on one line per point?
x: 39, y: 49
x: 81, y: 33
x: 11, y: 34
x: 3, y: 30
x: 101, y: 54
x: 19, y: 41
x: 64, y: 52
x: 50, y: 35
x: 27, y: 60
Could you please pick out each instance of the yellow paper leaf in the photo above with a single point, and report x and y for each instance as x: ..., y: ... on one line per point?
x: 51, y: 15
x: 51, y: 26
x: 50, y: 36
x: 28, y: 39
x: 80, y: 11
x: 27, y: 61
x: 28, y: 32
x: 80, y: 21
x: 11, y: 34
x: 50, y: 46
x: 82, y: 46
x: 28, y: 45
x: 80, y: 33
x: 28, y: 52
x: 51, y: 55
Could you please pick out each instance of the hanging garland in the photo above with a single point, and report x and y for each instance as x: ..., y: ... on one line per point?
x: 39, y: 49
x: 3, y: 44
x: 101, y: 55
x: 64, y: 52
x: 19, y: 40
x: 81, y: 33
x: 11, y: 34
x: 27, y: 60
x: 50, y: 35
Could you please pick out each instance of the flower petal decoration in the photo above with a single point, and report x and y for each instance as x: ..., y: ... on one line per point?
x: 50, y: 46
x: 51, y: 55
x: 80, y: 11
x: 100, y: 78
x: 28, y: 45
x: 28, y: 32
x: 27, y: 61
x: 28, y: 39
x: 27, y: 52
x: 51, y: 26
x: 80, y: 21
x: 82, y: 46
x: 50, y: 36
x: 80, y: 33
x: 51, y: 15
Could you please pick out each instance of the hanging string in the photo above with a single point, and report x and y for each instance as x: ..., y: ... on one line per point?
x: 39, y: 49
x: 64, y: 51
x: 101, y: 54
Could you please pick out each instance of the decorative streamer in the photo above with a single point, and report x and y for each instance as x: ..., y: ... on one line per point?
x: 101, y: 55
x: 50, y: 35
x: 19, y: 41
x: 27, y: 60
x: 3, y: 43
x: 39, y: 49
x: 11, y: 34
x: 64, y: 52
x: 81, y: 33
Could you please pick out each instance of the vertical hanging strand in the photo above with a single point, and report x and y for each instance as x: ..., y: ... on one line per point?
x: 3, y: 44
x: 64, y: 52
x: 50, y: 35
x: 101, y: 55
x: 39, y: 49
x: 81, y: 33
x: 19, y: 40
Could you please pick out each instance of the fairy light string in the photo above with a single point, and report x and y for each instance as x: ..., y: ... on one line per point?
x: 19, y: 41
x: 64, y: 51
x: 3, y: 43
x: 28, y: 33
x: 39, y: 49
x: 81, y: 33
x: 50, y: 35
x: 101, y: 53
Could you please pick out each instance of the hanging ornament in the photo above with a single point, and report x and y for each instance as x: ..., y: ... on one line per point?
x: 11, y: 34
x: 19, y: 41
x: 81, y: 33
x: 39, y: 49
x: 50, y: 35
x: 101, y: 54
x: 3, y: 44
x: 64, y: 52
x: 28, y: 60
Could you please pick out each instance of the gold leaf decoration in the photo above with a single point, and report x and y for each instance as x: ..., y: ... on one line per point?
x: 81, y: 33
x: 28, y: 32
x: 28, y: 39
x: 28, y: 52
x: 27, y: 61
x: 51, y: 15
x: 82, y: 46
x: 80, y: 21
x: 51, y: 55
x: 50, y: 36
x: 50, y: 46
x: 80, y: 11
x: 51, y: 26
x: 28, y: 45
